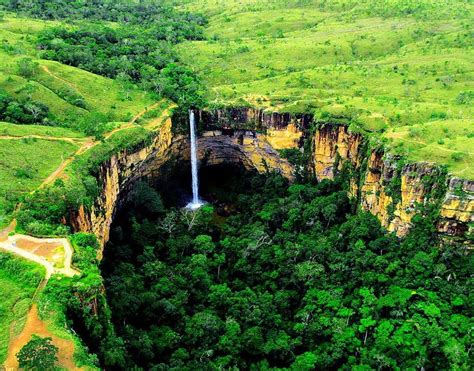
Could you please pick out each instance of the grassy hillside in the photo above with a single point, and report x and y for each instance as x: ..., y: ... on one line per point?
x: 24, y: 164
x: 9, y: 129
x: 381, y: 66
x: 78, y: 102
x: 18, y: 282
x: 58, y: 86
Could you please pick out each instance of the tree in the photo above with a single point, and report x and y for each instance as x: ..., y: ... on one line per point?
x: 29, y: 89
x: 305, y: 361
x: 34, y: 110
x: 203, y: 244
x: 295, y: 278
x: 169, y: 222
x: 193, y: 218
x: 39, y: 354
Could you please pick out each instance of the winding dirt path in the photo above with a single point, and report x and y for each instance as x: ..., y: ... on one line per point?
x: 63, y: 139
x: 141, y: 113
x: 437, y: 146
x: 35, y: 326
x: 68, y: 83
x: 155, y: 123
x: 56, y: 174
x: 38, y: 250
x: 44, y: 251
x: 19, y: 245
x: 13, y: 244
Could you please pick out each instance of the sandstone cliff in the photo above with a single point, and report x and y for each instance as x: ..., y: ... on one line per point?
x: 383, y: 185
x: 115, y: 176
x: 251, y: 149
x: 391, y: 190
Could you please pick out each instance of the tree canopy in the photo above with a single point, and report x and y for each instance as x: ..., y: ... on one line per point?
x: 294, y: 278
x: 38, y: 354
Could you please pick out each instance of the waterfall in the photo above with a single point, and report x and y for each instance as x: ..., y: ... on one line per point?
x: 196, y: 202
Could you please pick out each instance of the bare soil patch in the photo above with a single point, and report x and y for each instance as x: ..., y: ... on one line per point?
x: 34, y: 325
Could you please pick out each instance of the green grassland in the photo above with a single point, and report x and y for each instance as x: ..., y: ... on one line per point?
x: 9, y: 129
x: 24, y: 164
x: 18, y: 282
x: 448, y: 142
x: 380, y: 65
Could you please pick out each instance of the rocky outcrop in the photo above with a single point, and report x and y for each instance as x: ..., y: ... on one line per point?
x: 118, y: 174
x: 394, y: 192
x: 457, y: 209
x: 250, y: 149
x: 253, y: 119
x: 332, y: 147
x: 384, y: 186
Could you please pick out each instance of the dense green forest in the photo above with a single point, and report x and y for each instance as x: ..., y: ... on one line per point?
x: 270, y: 274
x: 291, y: 277
x: 22, y: 112
x: 141, y: 12
x: 128, y: 41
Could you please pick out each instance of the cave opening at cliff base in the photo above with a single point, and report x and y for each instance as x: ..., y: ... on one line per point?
x: 215, y: 185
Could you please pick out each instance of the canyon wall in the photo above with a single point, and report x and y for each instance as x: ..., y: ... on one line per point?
x: 117, y: 175
x: 252, y: 150
x: 390, y: 189
x: 383, y: 184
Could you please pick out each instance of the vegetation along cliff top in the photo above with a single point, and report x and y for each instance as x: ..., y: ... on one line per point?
x: 402, y: 69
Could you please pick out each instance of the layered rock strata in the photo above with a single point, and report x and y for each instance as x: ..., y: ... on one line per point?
x: 115, y: 176
x: 118, y: 174
x: 389, y: 189
x: 383, y: 185
x: 250, y: 149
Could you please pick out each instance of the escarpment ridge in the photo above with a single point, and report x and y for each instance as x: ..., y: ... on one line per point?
x: 386, y: 185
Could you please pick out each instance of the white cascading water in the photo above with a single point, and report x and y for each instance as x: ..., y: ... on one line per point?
x: 196, y: 203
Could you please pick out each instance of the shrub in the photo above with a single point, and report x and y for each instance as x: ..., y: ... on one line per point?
x: 465, y: 97
x: 415, y: 132
x: 243, y: 49
x: 27, y: 67
x: 438, y: 115
x: 457, y: 156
